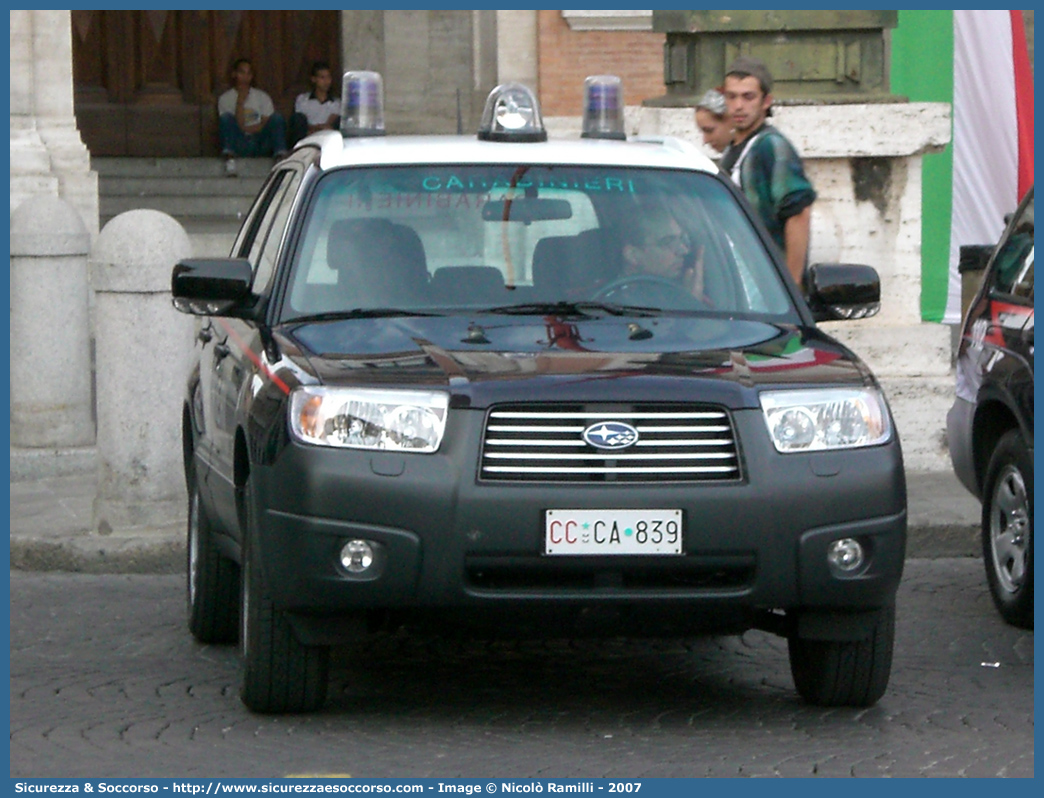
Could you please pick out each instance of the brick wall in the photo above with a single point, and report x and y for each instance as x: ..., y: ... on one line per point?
x: 566, y: 57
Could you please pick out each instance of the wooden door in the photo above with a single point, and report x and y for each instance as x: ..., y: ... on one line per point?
x: 146, y: 82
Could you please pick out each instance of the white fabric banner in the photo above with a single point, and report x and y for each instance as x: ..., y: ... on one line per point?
x: 985, y: 136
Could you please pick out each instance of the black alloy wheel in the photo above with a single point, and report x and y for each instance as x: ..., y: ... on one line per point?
x: 1007, y: 529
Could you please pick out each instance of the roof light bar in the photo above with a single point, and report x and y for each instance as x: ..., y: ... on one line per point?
x: 362, y: 104
x: 603, y: 108
x: 512, y: 113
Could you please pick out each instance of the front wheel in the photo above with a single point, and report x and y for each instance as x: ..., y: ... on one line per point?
x: 280, y: 674
x: 836, y: 673
x: 1007, y: 529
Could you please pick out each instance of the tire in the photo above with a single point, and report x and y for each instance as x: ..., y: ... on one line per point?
x: 835, y: 673
x: 279, y: 673
x: 212, y: 586
x: 1007, y: 529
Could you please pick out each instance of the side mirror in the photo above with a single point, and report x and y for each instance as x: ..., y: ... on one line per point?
x: 840, y: 291
x: 213, y: 286
x: 974, y: 257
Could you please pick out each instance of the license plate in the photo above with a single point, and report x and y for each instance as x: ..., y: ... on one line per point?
x: 613, y: 532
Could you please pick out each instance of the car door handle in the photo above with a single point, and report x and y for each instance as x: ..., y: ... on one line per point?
x: 222, y: 351
x: 204, y: 335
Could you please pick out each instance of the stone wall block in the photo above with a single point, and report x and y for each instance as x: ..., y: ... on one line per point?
x: 50, y: 338
x: 144, y: 348
x: 862, y: 131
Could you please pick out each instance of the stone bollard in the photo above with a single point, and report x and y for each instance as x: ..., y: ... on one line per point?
x: 50, y: 327
x: 143, y: 351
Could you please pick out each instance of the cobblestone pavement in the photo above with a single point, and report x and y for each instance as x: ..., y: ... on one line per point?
x: 106, y: 682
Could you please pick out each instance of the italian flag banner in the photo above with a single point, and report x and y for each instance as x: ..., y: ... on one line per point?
x: 992, y: 132
x: 977, y: 61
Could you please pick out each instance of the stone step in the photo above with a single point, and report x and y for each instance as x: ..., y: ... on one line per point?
x: 180, y: 207
x: 137, y: 186
x: 178, y: 167
x: 211, y: 236
x: 212, y: 245
x: 195, y: 191
x: 211, y: 225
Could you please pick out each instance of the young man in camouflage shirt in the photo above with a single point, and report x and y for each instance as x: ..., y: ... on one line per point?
x: 765, y: 164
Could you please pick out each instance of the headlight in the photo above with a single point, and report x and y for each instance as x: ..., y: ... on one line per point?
x: 815, y: 420
x: 359, y: 418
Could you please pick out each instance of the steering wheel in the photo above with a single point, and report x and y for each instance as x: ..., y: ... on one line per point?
x: 654, y: 288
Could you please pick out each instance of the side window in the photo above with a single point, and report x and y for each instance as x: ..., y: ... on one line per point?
x: 1013, y: 267
x: 266, y: 245
x: 259, y: 213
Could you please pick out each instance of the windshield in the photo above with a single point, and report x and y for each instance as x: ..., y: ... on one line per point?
x: 485, y: 238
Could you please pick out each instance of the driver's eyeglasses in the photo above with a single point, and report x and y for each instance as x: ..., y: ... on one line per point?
x: 673, y: 242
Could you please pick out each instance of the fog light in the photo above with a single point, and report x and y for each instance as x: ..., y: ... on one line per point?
x: 846, y: 555
x: 356, y: 556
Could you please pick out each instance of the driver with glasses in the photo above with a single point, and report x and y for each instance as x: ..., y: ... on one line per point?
x: 656, y: 254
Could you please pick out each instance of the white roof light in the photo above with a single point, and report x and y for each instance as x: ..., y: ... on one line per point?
x: 512, y: 113
x: 362, y: 104
x: 603, y: 108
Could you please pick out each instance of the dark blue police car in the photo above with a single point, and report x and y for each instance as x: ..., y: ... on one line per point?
x: 529, y: 387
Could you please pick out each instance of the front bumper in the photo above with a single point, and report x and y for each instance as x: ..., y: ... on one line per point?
x: 447, y: 541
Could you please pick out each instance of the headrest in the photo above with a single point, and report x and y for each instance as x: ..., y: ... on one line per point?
x: 358, y: 238
x: 381, y: 262
x: 481, y: 278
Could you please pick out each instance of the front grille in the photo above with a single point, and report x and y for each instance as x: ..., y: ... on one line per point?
x: 544, y: 443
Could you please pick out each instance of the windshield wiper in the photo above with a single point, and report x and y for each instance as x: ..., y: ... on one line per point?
x: 359, y: 313
x: 573, y: 309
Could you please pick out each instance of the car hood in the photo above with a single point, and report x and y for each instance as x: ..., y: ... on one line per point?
x: 486, y: 359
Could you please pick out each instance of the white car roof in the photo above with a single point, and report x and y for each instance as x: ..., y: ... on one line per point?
x: 663, y: 152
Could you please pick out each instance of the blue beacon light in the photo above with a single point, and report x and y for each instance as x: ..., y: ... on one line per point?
x: 362, y: 104
x: 603, y: 108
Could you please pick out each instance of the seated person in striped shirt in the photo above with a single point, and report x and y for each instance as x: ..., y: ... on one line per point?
x: 318, y: 110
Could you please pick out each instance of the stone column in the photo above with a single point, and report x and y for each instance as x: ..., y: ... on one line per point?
x: 144, y: 348
x: 362, y: 41
x: 47, y: 154
x: 30, y: 165
x: 517, y: 47
x: 50, y: 347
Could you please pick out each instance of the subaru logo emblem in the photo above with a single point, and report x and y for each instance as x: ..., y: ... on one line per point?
x: 611, y: 435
